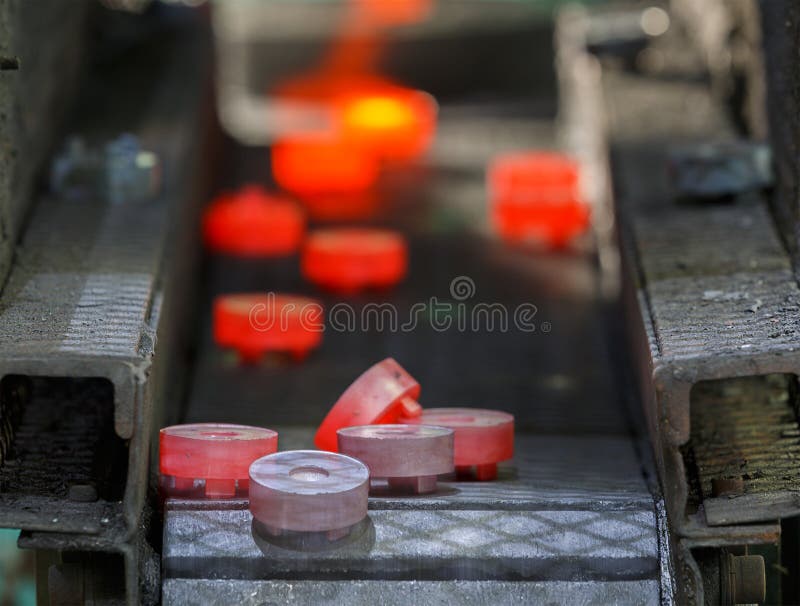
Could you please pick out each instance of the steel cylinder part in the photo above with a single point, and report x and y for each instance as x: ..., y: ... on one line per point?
x: 308, y: 491
x: 408, y: 458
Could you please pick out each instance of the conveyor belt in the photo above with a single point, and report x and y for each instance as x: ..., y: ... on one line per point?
x: 572, y: 511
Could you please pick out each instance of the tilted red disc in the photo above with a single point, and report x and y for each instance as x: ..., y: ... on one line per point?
x: 308, y: 491
x: 210, y: 459
x: 407, y: 457
x: 352, y: 259
x: 535, y: 196
x: 253, y: 324
x: 483, y: 438
x: 380, y: 395
x: 253, y: 223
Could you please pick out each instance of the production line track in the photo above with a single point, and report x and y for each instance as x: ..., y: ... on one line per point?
x: 571, y: 515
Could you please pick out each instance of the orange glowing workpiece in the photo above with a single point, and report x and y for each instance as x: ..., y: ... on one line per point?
x: 535, y: 196
x: 380, y: 395
x: 324, y: 164
x: 394, y: 122
x: 253, y: 223
x: 388, y: 120
x: 253, y: 324
x: 352, y: 259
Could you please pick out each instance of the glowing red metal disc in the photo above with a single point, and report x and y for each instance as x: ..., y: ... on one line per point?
x: 253, y: 223
x: 352, y: 259
x: 253, y: 324
x: 210, y: 459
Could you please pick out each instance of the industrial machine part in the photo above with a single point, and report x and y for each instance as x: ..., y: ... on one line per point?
x: 309, y: 491
x: 93, y: 318
x: 711, y: 299
x: 400, y: 457
x: 253, y: 223
x: 93, y: 314
x: 38, y: 88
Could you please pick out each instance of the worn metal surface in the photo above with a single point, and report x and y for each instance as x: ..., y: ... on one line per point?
x: 715, y: 289
x: 401, y: 593
x: 746, y: 429
x: 780, y: 20
x: 708, y: 287
x: 90, y: 294
x: 431, y: 544
x: 44, y: 42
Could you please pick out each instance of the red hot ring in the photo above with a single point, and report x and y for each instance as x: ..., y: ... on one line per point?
x: 353, y: 259
x: 253, y: 223
x: 210, y: 459
x: 253, y: 324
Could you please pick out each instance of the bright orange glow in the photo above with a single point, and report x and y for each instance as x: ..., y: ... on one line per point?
x: 553, y: 224
x: 396, y: 123
x: 534, y: 196
x: 530, y: 171
x: 322, y: 165
x: 378, y: 113
x: 388, y: 120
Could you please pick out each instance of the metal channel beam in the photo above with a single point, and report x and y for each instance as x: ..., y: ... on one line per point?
x: 708, y: 286
x: 96, y: 292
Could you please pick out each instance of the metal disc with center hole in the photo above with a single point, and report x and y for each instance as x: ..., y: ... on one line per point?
x: 399, y: 451
x: 213, y: 450
x: 308, y: 490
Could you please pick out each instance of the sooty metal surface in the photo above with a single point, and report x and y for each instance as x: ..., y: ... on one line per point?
x: 746, y: 429
x: 93, y: 287
x: 708, y: 286
x: 401, y: 593
x: 432, y: 544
